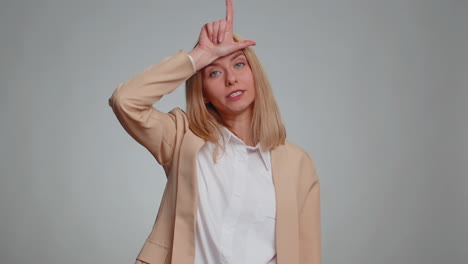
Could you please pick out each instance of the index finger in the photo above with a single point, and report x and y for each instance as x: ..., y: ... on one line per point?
x: 229, y: 15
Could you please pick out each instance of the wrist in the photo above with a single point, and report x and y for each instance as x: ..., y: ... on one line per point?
x: 201, y: 57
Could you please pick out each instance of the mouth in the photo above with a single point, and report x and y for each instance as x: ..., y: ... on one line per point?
x: 235, y: 94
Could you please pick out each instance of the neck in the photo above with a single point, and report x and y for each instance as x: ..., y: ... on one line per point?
x: 241, y: 126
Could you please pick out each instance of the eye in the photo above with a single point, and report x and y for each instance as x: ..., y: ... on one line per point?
x: 214, y: 73
x: 239, y: 64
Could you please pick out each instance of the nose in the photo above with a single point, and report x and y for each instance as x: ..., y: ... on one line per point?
x: 231, y: 78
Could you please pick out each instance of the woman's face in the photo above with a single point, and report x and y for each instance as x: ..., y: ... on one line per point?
x: 228, y: 84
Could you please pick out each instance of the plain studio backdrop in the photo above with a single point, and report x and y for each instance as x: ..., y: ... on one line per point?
x: 375, y: 91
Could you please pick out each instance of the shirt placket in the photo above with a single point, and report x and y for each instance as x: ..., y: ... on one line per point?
x: 235, y: 204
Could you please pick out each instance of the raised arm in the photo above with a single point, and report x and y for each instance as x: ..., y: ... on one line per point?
x: 132, y: 103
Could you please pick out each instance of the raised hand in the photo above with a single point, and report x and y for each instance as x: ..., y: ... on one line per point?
x: 216, y: 40
x: 217, y: 30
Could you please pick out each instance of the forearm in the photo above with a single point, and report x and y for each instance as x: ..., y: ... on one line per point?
x: 147, y: 87
x: 132, y: 103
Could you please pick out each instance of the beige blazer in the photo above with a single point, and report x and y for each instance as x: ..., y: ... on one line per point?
x: 168, y: 137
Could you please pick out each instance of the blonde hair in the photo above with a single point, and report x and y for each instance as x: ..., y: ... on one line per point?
x: 267, y: 126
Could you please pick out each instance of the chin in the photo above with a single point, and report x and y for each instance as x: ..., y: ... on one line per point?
x: 240, y: 109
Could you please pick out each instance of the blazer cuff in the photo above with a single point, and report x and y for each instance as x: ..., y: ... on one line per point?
x: 193, y: 63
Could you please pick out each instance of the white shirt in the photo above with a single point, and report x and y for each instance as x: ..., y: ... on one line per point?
x: 236, y: 214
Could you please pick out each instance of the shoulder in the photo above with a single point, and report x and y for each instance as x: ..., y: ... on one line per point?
x: 296, y: 158
x: 180, y: 118
x: 296, y: 151
x: 182, y: 126
x: 178, y: 113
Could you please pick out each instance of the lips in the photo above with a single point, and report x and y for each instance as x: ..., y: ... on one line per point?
x: 235, y: 93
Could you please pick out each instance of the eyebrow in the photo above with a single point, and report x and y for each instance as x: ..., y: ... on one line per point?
x: 239, y: 53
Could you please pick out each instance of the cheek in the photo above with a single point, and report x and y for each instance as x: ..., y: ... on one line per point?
x: 207, y: 88
x: 250, y: 82
x: 210, y: 93
x: 247, y: 77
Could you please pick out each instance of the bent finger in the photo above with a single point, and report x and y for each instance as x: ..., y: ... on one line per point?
x: 222, y: 30
x: 209, y: 29
x: 215, y: 32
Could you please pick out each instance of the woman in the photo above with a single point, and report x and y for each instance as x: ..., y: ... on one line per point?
x: 236, y: 191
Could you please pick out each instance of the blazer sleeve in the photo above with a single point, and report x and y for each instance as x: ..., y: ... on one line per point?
x: 132, y: 102
x: 309, y: 220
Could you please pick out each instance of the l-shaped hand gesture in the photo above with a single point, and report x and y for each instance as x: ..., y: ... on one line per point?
x: 216, y: 39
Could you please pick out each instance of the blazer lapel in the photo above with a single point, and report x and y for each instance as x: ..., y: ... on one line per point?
x: 287, y: 240
x: 187, y: 199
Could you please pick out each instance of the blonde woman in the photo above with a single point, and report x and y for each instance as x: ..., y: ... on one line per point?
x: 237, y: 191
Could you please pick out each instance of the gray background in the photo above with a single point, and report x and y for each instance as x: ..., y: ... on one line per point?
x: 375, y: 91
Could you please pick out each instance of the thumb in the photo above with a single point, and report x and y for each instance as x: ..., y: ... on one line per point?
x: 235, y: 46
x: 245, y: 43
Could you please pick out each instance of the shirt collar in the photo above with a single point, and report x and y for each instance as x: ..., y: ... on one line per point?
x: 230, y: 138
